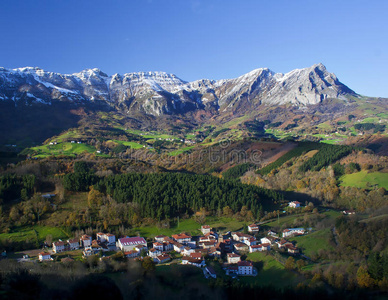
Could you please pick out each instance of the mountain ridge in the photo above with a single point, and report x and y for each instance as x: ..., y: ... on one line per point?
x: 158, y: 93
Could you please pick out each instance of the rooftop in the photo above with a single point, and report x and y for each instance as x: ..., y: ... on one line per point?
x: 132, y: 241
x: 245, y: 263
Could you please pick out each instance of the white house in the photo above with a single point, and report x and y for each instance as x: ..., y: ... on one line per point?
x: 160, y: 238
x: 191, y: 261
x: 58, y: 247
x: 253, y: 228
x: 187, y: 250
x: 158, y: 246
x: 207, y: 245
x: 163, y: 258
x: 44, y: 256
x: 205, y: 229
x: 178, y: 247
x: 283, y: 243
x: 154, y: 252
x: 106, y: 238
x: 265, y: 241
x: 100, y: 237
x: 292, y: 249
x: 293, y: 231
x: 254, y: 248
x: 250, y: 241
x: 240, y: 247
x: 294, y: 204
x: 241, y: 237
x: 233, y: 258
x: 260, y: 247
x: 129, y: 243
x: 245, y: 268
x: 110, y: 238
x: 167, y: 246
x: 182, y: 238
x: 73, y: 244
x: 86, y: 240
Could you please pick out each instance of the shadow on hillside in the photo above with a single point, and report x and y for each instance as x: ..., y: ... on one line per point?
x: 31, y: 125
x: 301, y: 197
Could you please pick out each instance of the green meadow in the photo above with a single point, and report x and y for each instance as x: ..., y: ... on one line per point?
x: 363, y: 179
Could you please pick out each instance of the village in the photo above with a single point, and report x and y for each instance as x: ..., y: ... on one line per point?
x: 230, y: 248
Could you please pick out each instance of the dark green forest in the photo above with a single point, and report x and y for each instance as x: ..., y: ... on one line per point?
x: 168, y: 195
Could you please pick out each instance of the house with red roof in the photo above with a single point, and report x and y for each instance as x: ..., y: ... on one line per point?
x: 108, y: 238
x: 154, y: 252
x: 253, y: 228
x: 283, y: 243
x: 294, y: 204
x: 158, y: 246
x: 259, y: 247
x: 233, y: 258
x: 205, y: 229
x: 187, y: 260
x: 245, y: 268
x: 241, y: 247
x: 73, y: 244
x: 293, y: 231
x: 167, y: 246
x: 160, y: 238
x: 196, y: 255
x: 207, y: 244
x: 292, y: 249
x: 132, y: 253
x: 44, y: 256
x: 86, y: 241
x: 163, y: 258
x: 182, y: 238
x: 187, y: 250
x: 58, y: 247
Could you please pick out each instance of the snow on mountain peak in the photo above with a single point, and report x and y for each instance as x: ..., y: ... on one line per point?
x: 160, y: 92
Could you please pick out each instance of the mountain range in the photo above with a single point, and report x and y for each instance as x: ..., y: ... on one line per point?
x: 159, y: 93
x: 36, y: 105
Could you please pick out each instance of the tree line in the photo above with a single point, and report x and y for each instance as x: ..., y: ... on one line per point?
x: 13, y: 187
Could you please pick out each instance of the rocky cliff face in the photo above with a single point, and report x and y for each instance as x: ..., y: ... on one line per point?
x: 159, y: 93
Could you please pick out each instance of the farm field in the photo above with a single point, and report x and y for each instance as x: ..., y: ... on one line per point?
x: 273, y: 272
x: 180, y: 151
x: 133, y: 145
x: 34, y: 233
x: 67, y: 149
x: 363, y: 179
x: 314, y: 241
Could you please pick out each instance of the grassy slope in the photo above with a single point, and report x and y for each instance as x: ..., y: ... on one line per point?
x: 180, y: 151
x: 313, y: 242
x: 31, y: 233
x: 67, y: 149
x: 273, y: 272
x: 133, y: 145
x: 363, y: 179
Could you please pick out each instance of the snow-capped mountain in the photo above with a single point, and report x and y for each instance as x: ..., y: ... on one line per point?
x: 158, y: 93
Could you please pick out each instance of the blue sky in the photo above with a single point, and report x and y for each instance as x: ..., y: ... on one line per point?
x: 197, y: 39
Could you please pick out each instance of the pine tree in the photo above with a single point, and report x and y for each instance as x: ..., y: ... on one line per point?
x: 375, y: 267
